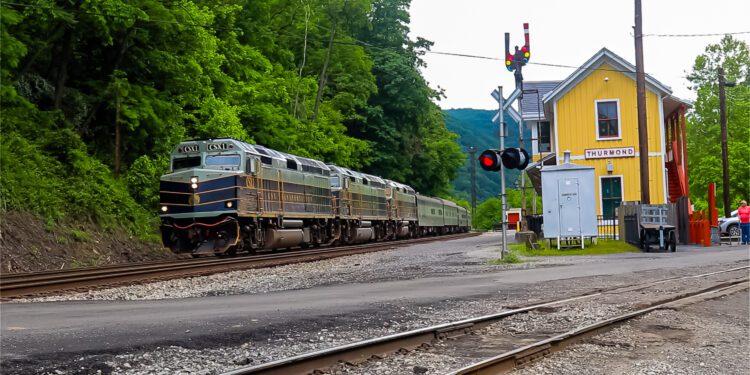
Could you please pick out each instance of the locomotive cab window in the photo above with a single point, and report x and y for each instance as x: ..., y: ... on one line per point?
x: 188, y: 162
x: 335, y: 182
x: 222, y: 161
x: 291, y: 164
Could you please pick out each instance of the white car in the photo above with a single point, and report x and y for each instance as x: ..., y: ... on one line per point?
x: 730, y: 225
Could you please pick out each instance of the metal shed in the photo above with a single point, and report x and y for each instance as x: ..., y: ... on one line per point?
x: 569, y: 201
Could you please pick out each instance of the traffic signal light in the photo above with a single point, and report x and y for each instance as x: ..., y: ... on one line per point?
x: 489, y: 160
x: 510, y: 158
x: 515, y: 158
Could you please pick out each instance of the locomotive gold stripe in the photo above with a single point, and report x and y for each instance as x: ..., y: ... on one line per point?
x: 198, y: 204
x: 201, y: 192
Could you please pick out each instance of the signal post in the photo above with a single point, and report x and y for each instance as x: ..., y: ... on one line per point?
x: 496, y: 160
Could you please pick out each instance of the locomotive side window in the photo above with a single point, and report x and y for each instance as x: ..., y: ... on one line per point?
x: 188, y: 162
x: 335, y: 182
x: 291, y: 164
x: 223, y: 160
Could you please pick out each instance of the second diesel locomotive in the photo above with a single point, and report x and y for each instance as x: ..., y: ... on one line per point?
x: 224, y: 195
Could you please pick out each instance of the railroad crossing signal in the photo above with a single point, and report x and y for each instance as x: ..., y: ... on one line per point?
x: 510, y: 158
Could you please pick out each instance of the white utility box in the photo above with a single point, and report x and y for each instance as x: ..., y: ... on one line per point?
x: 569, y: 201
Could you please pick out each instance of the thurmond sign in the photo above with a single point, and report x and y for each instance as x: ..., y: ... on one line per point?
x: 614, y: 152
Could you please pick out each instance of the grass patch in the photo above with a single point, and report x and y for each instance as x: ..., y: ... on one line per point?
x: 80, y: 236
x: 510, y: 258
x: 602, y: 247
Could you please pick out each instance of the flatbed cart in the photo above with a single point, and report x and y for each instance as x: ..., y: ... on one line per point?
x: 655, y: 230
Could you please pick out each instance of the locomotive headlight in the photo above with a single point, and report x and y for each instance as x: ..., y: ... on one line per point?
x: 194, y: 179
x: 229, y: 204
x: 194, y: 185
x: 164, y: 208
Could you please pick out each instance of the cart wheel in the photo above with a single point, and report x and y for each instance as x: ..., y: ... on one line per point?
x: 644, y: 244
x: 672, y: 241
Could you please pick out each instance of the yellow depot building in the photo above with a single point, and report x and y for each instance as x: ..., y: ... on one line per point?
x: 593, y: 114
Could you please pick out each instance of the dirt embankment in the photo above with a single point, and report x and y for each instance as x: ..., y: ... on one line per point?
x: 27, y: 243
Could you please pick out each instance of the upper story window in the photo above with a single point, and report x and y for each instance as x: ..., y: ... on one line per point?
x: 545, y: 144
x: 608, y: 119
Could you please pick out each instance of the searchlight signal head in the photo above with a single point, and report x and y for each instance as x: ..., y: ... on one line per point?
x: 521, y: 56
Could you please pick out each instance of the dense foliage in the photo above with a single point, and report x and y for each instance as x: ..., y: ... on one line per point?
x: 96, y: 93
x: 703, y: 128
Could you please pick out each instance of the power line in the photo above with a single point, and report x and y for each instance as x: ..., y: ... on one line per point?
x: 696, y: 35
x: 530, y: 62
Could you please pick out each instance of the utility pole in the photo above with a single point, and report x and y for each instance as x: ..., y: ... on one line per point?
x: 724, y: 152
x: 472, y: 151
x: 640, y: 80
x: 519, y: 85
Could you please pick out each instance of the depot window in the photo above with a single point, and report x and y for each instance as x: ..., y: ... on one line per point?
x: 545, y: 143
x: 608, y: 119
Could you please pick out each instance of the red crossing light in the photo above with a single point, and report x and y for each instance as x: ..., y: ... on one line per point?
x: 489, y: 160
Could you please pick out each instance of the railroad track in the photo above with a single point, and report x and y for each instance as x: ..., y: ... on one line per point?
x: 53, y: 282
x: 377, y: 348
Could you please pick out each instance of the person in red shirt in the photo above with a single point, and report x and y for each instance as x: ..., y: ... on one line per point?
x: 744, y: 214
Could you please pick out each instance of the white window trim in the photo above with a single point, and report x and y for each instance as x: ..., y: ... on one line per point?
x: 596, y: 120
x: 556, y: 147
x: 622, y: 190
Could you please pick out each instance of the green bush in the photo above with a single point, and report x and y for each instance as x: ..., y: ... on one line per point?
x: 79, y: 188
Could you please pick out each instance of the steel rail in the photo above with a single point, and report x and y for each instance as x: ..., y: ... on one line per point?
x: 520, y: 357
x: 361, y: 351
x: 49, y: 282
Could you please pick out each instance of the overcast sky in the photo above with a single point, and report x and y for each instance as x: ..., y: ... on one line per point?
x: 565, y: 33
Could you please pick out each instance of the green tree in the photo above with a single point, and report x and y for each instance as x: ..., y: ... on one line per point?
x: 405, y: 126
x: 703, y: 128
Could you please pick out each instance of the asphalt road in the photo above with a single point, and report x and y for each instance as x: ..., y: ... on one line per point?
x: 53, y: 328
